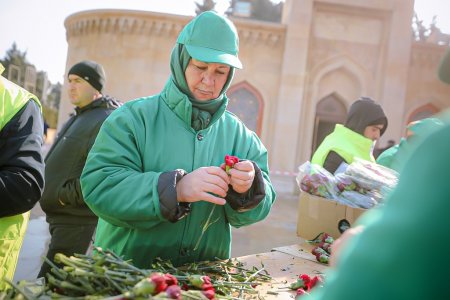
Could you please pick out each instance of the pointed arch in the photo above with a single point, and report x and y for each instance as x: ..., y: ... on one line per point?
x: 246, y: 102
x: 330, y: 110
x: 422, y: 112
x: 338, y: 75
x: 345, y: 65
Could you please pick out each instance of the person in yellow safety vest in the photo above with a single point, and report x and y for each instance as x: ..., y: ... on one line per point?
x: 21, y: 169
x: 366, y: 123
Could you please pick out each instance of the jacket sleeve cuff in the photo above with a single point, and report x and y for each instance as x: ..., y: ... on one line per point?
x: 250, y: 199
x: 170, y: 208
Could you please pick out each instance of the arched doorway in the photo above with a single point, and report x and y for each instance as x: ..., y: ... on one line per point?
x: 423, y: 112
x: 329, y: 111
x: 246, y: 102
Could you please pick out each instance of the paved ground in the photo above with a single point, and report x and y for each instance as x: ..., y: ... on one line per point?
x: 278, y: 229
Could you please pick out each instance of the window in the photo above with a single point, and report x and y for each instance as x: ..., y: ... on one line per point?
x: 246, y: 103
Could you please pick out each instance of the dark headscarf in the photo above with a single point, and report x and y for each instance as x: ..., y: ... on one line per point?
x: 365, y: 112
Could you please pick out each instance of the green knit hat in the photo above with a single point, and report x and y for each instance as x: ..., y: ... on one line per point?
x: 211, y: 38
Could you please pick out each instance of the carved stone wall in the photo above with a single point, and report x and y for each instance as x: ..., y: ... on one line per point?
x: 344, y: 48
x: 424, y: 89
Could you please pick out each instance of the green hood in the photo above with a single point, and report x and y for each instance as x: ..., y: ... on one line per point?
x: 198, y: 114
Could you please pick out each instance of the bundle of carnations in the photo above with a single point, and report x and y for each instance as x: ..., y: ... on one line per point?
x: 104, y: 275
x: 305, y: 283
x: 322, y: 249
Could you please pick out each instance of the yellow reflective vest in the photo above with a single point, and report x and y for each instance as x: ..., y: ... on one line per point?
x: 345, y: 142
x: 12, y: 229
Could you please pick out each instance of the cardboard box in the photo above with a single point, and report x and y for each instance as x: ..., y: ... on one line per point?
x: 317, y: 214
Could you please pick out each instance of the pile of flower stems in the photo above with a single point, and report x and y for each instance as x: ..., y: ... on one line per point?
x: 104, y: 275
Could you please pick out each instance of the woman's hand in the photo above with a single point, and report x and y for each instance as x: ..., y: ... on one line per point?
x: 241, y: 176
x: 206, y: 183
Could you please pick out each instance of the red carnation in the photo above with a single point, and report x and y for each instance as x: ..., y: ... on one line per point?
x: 316, y: 280
x: 210, y: 294
x: 170, y: 279
x: 174, y: 292
x: 300, y: 292
x: 160, y: 283
x: 230, y: 160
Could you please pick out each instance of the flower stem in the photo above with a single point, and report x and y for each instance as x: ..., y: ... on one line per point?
x: 206, y: 226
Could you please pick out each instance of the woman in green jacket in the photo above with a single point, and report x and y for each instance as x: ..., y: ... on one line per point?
x: 154, y: 174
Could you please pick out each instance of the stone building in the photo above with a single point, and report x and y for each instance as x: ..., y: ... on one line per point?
x: 29, y: 78
x: 299, y: 76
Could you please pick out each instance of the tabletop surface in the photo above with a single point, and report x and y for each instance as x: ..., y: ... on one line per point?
x: 284, y: 265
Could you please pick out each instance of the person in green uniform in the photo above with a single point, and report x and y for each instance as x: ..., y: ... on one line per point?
x: 399, y: 250
x: 394, y: 157
x: 154, y: 174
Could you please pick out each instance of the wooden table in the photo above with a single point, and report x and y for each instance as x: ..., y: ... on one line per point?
x: 284, y: 265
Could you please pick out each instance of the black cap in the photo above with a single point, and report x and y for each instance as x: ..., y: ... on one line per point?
x: 90, y: 71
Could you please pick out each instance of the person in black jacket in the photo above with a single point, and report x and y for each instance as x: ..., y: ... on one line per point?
x: 71, y: 222
x: 21, y: 169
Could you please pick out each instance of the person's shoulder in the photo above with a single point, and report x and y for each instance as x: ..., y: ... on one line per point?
x: 239, y: 127
x: 145, y: 106
x: 231, y: 117
x: 142, y: 103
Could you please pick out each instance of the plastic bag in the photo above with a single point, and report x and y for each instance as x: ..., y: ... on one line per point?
x: 357, y: 199
x: 317, y: 181
x: 363, y: 184
x: 371, y: 176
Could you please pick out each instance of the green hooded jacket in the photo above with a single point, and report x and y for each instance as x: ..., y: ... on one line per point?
x: 145, y: 140
x: 396, y: 156
x: 136, y: 144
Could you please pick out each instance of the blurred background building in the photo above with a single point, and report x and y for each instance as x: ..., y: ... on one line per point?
x: 300, y: 74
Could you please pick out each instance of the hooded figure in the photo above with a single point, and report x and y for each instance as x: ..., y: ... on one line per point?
x: 395, y: 156
x: 154, y: 174
x: 366, y: 123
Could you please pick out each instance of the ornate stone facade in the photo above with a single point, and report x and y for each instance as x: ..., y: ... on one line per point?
x: 324, y: 55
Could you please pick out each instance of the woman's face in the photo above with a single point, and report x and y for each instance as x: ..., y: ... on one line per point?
x: 206, y: 80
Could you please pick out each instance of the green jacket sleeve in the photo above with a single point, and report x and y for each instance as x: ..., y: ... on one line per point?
x: 113, y: 172
x: 410, y: 235
x: 258, y: 155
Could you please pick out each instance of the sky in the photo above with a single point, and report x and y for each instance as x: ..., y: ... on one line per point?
x: 37, y: 26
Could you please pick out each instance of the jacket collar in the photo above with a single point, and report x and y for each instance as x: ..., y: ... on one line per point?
x: 179, y: 103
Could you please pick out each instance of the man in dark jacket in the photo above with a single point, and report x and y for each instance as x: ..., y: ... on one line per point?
x: 21, y: 169
x: 71, y: 222
x: 366, y: 123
